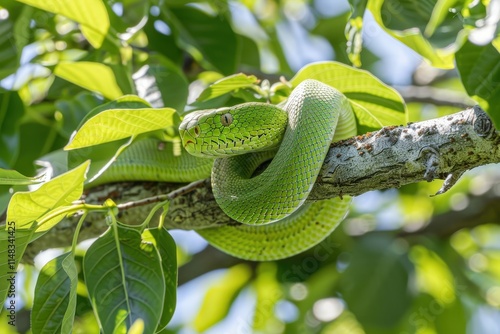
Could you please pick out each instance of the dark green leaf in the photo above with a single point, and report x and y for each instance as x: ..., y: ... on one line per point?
x: 375, y: 284
x: 167, y: 249
x: 13, y: 242
x: 125, y: 281
x: 74, y: 110
x: 250, y: 55
x: 11, y: 112
x: 161, y: 43
x: 162, y: 84
x: 55, y: 296
x: 480, y: 73
x: 431, y: 31
x: 207, y: 38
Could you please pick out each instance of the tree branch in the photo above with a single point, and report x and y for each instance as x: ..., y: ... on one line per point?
x: 442, y: 148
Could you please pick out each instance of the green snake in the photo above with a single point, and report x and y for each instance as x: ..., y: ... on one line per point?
x: 274, y: 220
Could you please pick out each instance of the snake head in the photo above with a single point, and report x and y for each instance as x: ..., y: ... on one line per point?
x: 248, y: 127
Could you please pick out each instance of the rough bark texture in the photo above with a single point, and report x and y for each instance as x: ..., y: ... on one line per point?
x: 442, y: 148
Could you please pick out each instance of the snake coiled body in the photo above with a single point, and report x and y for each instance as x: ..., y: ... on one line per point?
x: 274, y: 219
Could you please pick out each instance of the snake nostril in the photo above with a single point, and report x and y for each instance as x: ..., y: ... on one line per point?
x: 189, y: 142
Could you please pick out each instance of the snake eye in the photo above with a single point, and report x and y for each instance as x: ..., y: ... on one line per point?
x: 196, y: 130
x: 226, y: 119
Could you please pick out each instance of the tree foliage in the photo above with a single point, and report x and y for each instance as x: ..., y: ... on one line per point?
x: 82, y: 80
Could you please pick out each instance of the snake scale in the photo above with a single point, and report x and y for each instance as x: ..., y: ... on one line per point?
x: 272, y: 218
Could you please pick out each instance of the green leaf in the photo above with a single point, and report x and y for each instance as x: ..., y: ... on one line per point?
x: 375, y: 284
x: 209, y: 39
x: 220, y: 296
x: 480, y: 74
x: 162, y: 83
x: 374, y: 103
x: 268, y: 292
x: 165, y: 45
x: 91, y: 14
x: 12, y: 177
x: 73, y: 110
x: 353, y: 31
x: 115, y: 124
x: 101, y: 155
x: 406, y: 21
x: 226, y: 85
x: 95, y: 77
x: 439, y: 13
x: 124, y: 280
x: 39, y: 205
x: 432, y: 275
x: 123, y: 102
x: 11, y: 112
x: 55, y: 296
x: 452, y: 318
x: 9, y: 54
x: 13, y: 244
x: 250, y: 55
x: 168, y: 254
x: 324, y: 28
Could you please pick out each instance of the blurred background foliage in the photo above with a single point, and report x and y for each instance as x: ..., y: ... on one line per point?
x: 402, y: 261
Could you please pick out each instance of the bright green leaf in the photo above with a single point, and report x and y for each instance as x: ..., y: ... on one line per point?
x: 27, y: 207
x: 439, y: 13
x: 95, y: 77
x: 496, y: 42
x: 12, y: 177
x: 123, y: 102
x: 433, y: 275
x: 220, y: 296
x: 55, y: 296
x: 353, y: 31
x: 167, y: 249
x: 101, y: 155
x: 115, y: 124
x: 269, y: 292
x: 228, y: 84
x: 125, y: 280
x: 374, y: 103
x: 91, y: 14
